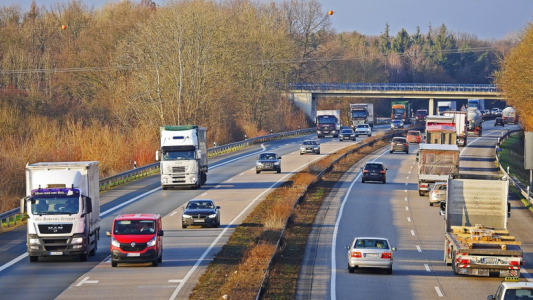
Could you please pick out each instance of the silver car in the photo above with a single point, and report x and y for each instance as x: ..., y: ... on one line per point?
x: 309, y: 146
x: 370, y: 252
x: 437, y: 193
x: 396, y: 124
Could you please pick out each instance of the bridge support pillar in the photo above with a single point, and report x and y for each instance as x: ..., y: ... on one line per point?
x: 306, y: 102
x: 431, y: 106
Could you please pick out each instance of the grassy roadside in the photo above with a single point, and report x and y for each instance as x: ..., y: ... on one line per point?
x: 512, y: 156
x: 237, y: 270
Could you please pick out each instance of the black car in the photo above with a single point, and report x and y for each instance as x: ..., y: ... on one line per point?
x: 347, y: 134
x: 268, y: 161
x: 201, y: 212
x: 498, y: 122
x: 374, y: 171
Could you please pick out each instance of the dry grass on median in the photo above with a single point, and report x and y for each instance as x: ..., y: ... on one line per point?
x: 238, y: 269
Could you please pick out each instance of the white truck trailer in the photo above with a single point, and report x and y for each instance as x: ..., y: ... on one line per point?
x: 183, y: 156
x: 460, y: 126
x: 361, y: 113
x: 435, y: 163
x: 328, y: 122
x: 63, y: 206
x: 476, y: 240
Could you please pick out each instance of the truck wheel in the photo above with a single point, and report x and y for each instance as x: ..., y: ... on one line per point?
x: 430, y: 203
x: 34, y: 258
x: 165, y: 188
x: 420, y: 193
x: 453, y: 263
x: 114, y: 264
x: 84, y: 257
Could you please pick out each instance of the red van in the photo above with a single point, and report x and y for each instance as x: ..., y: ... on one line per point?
x: 136, y: 238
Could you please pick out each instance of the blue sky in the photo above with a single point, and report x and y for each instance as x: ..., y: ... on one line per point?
x: 486, y: 19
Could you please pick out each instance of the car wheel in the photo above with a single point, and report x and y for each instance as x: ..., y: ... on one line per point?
x: 384, y: 181
x: 350, y: 269
x: 34, y: 258
x: 370, y: 134
x: 340, y: 140
x: 407, y: 152
x: 362, y: 181
x: 389, y: 270
x: 257, y: 172
x: 184, y: 226
x: 279, y: 170
x: 318, y: 152
x: 160, y: 259
x: 301, y: 153
x: 390, y: 151
x: 155, y: 262
x: 114, y: 264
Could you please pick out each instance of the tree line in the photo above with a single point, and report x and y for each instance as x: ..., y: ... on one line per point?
x: 78, y: 83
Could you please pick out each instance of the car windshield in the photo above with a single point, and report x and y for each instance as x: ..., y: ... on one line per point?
x: 396, y: 121
x: 134, y: 227
x: 362, y: 126
x: 346, y: 131
x: 378, y: 167
x: 371, y: 243
x: 399, y: 140
x: 415, y: 133
x: 200, y: 205
x: 309, y: 143
x: 522, y: 293
x: 267, y: 156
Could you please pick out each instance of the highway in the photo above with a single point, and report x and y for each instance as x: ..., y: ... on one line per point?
x: 395, y: 210
x: 232, y: 184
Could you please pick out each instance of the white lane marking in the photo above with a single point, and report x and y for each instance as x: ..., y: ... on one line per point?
x: 241, y: 174
x: 175, y: 280
x: 333, y: 277
x: 173, y: 213
x: 439, y: 292
x: 526, y: 274
x: 129, y: 201
x: 86, y: 280
x: 229, y: 180
x: 406, y: 183
x: 216, y: 187
x: 427, y: 267
x: 409, y: 172
x: 213, y: 244
x: 407, y: 208
x: 418, y: 248
x: 407, y: 177
x: 204, y: 194
x: 14, y: 261
x: 408, y: 219
x: 405, y: 191
x: 412, y: 232
x: 405, y: 198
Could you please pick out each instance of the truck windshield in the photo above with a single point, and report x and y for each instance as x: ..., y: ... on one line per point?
x: 358, y: 114
x: 55, y: 205
x: 178, y: 155
x: 326, y: 120
x: 398, y: 111
x: 134, y: 227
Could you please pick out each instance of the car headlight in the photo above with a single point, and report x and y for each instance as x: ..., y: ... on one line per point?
x: 316, y: 148
x: 186, y: 216
x: 78, y: 240
x: 212, y: 216
x: 151, y: 242
x: 276, y: 163
x: 115, y: 243
x: 35, y: 242
x: 258, y: 164
x: 302, y: 148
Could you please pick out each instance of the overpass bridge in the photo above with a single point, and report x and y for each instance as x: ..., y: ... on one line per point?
x: 305, y: 94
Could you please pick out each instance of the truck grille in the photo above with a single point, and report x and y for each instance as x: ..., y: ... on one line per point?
x: 55, y: 244
x: 179, y: 169
x: 135, y: 247
x: 55, y: 228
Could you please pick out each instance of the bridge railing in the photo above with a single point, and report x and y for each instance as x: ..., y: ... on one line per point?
x: 127, y: 176
x: 411, y: 87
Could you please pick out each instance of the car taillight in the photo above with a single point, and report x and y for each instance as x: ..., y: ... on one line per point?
x: 365, y: 171
x: 386, y: 255
x: 514, y: 263
x: 406, y: 145
x: 357, y: 254
x: 382, y: 172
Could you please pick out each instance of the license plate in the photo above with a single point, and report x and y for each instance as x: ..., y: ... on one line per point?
x: 199, y: 221
x: 133, y: 254
x: 56, y: 253
x: 372, y: 255
x: 489, y: 261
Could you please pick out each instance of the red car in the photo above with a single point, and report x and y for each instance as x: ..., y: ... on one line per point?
x: 136, y: 238
x: 414, y: 136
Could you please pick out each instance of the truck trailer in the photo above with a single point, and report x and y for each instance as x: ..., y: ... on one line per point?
x: 476, y: 239
x: 361, y: 113
x: 183, y: 161
x: 63, y: 206
x: 459, y: 120
x: 435, y: 163
x: 509, y: 115
x: 474, y: 121
x: 328, y: 122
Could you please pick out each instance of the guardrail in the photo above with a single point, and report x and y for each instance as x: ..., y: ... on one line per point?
x: 264, y: 282
x: 124, y: 177
x: 415, y: 87
x: 515, y: 182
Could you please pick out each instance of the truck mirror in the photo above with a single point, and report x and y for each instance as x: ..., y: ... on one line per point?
x: 22, y: 205
x: 88, y: 205
x: 442, y: 208
x: 160, y: 233
x: 508, y: 209
x: 490, y: 297
x: 108, y: 233
x: 157, y: 155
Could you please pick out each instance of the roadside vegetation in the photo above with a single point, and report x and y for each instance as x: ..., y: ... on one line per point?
x: 78, y: 83
x: 237, y: 270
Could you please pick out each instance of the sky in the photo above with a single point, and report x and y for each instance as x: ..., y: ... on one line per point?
x: 486, y: 19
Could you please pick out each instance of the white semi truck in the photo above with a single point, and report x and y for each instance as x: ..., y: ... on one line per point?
x: 361, y: 113
x: 63, y: 206
x: 476, y: 239
x: 183, y: 156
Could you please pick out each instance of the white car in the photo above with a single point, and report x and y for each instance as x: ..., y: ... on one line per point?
x: 512, y: 288
x: 437, y: 193
x: 370, y: 252
x: 363, y: 129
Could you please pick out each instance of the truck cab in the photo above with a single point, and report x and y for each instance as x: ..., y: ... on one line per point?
x: 511, y: 288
